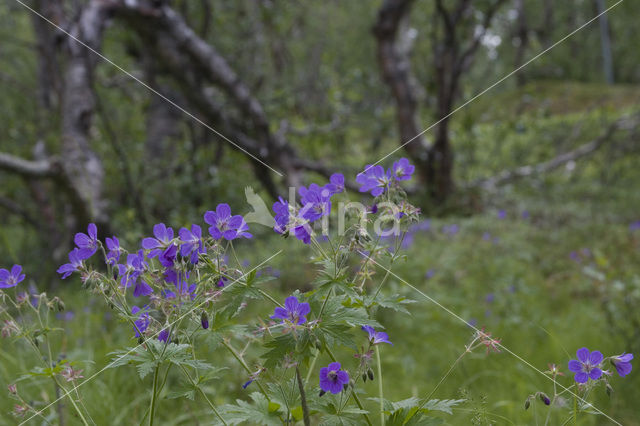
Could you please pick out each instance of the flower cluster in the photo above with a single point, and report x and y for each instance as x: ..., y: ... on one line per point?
x: 376, y: 180
x: 315, y: 204
x: 590, y: 365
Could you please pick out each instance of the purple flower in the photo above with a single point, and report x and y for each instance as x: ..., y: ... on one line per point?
x: 75, y: 263
x: 142, y: 323
x: 634, y: 226
x: 316, y: 202
x: 586, y: 366
x: 130, y: 274
x: 622, y: 363
x: 376, y: 337
x: 87, y: 243
x: 113, y: 245
x: 281, y: 209
x: 221, y: 281
x: 11, y: 279
x: 373, y: 179
x: 303, y: 233
x: 223, y: 225
x: 183, y: 288
x: 332, y: 378
x: 247, y: 383
x: 402, y: 169
x: 163, y: 336
x: 293, y: 311
x: 163, y: 236
x: 336, y: 183
x: 193, y: 245
x: 502, y: 214
x: 168, y: 256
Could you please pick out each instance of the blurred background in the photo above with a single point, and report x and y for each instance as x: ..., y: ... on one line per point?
x: 529, y: 192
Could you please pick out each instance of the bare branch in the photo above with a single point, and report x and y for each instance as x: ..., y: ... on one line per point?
x: 508, y: 176
x: 28, y: 168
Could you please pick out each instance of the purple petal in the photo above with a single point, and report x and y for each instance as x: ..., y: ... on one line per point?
x: 323, y: 373
x: 343, y: 377
x: 210, y: 217
x: 335, y: 387
x: 595, y: 358
x: 93, y: 231
x: 334, y: 366
x: 223, y: 211
x: 625, y: 357
x: 581, y: 377
x: 623, y: 368
x: 595, y: 373
x: 291, y: 303
x: 280, y: 313
x: 575, y: 366
x: 583, y: 355
x: 150, y: 243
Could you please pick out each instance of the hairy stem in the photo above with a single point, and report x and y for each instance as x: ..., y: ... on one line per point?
x: 303, y: 399
x: 380, y: 388
x: 153, y: 395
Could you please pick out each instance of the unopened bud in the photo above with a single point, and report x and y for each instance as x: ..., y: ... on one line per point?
x: 527, y: 403
x: 370, y: 374
x: 609, y: 389
x: 544, y: 398
x: 322, y: 393
x: 364, y: 377
x: 204, y: 320
x: 13, y: 389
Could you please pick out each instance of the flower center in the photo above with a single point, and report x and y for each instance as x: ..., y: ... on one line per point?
x: 333, y: 375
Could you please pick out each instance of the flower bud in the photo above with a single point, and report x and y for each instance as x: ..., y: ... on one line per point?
x: 544, y: 398
x: 204, y: 320
x: 322, y: 393
x: 364, y: 377
x: 370, y: 374
x: 527, y: 403
x: 13, y: 389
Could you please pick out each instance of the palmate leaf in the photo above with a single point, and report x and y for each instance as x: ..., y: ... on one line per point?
x: 444, y: 405
x: 258, y: 412
x: 339, y: 320
x: 407, y: 411
x: 395, y: 302
x: 146, y: 361
x: 278, y: 348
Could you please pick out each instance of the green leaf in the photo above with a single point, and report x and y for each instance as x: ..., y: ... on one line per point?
x: 258, y: 412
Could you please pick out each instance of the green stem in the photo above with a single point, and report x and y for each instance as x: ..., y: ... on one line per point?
x: 213, y: 407
x: 153, y: 395
x: 245, y: 366
x: 313, y: 364
x: 380, y: 385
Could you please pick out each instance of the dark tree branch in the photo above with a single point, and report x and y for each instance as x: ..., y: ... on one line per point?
x: 396, y: 70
